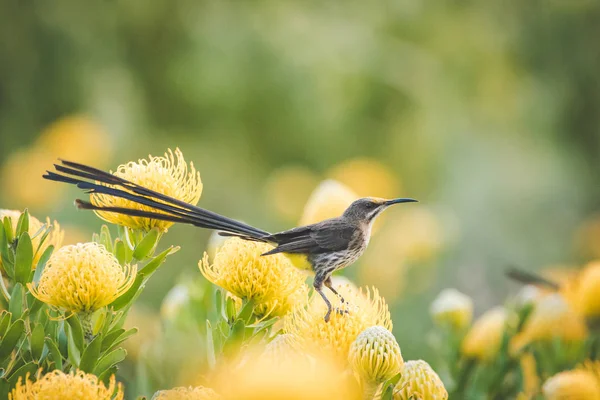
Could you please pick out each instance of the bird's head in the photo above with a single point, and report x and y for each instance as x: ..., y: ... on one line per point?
x: 367, y: 208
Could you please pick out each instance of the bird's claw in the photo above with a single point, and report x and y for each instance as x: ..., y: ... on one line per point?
x: 342, y: 311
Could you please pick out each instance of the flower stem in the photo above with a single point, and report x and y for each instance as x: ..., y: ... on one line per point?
x: 87, y: 325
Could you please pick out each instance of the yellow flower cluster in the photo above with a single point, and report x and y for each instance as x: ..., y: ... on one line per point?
x: 169, y: 175
x: 187, y: 393
x: 365, y: 309
x: 82, y: 278
x: 54, y: 238
x: 272, y: 282
x: 57, y: 385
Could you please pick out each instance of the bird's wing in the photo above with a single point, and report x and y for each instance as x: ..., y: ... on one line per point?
x: 314, y: 239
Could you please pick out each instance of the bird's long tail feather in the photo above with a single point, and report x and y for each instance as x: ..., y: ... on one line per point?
x: 530, y: 278
x: 167, y: 208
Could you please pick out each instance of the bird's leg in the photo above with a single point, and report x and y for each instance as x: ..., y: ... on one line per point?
x: 330, y: 286
x: 318, y: 285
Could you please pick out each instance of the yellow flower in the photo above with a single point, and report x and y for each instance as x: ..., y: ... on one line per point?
x: 271, y: 281
x: 375, y: 355
x: 367, y: 177
x: 419, y: 381
x: 588, y: 290
x: 552, y: 318
x: 55, y: 237
x: 452, y: 308
x: 57, y: 385
x: 187, y: 393
x: 578, y: 384
x: 169, y: 175
x: 294, y: 377
x: 149, y: 328
x: 531, y: 379
x: 330, y: 199
x: 312, y: 333
x: 83, y: 278
x: 484, y: 339
x: 288, y: 188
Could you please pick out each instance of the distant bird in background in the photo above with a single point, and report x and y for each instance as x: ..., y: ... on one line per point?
x: 326, y: 246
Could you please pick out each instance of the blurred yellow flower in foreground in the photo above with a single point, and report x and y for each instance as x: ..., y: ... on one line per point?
x: 149, y: 327
x: 579, y: 384
x: 329, y: 200
x: 293, y: 377
x: 588, y: 290
x: 187, y: 393
x: 272, y: 281
x: 312, y: 333
x: 57, y: 385
x: 375, y: 355
x: 452, y: 308
x: 83, y: 278
x: 419, y: 381
x: 288, y: 189
x: 55, y: 237
x: 367, y: 177
x: 169, y: 175
x: 552, y: 318
x: 485, y: 337
x: 531, y: 379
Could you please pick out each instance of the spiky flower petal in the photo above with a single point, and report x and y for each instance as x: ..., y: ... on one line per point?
x: 83, y: 278
x: 271, y: 281
x: 309, y: 329
x: 169, y: 175
x: 55, y: 236
x: 419, y: 381
x: 452, y: 308
x: 484, y: 339
x: 57, y: 385
x: 187, y: 393
x: 375, y: 355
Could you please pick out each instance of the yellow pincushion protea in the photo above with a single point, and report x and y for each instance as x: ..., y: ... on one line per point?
x: 54, y: 238
x: 271, y: 281
x: 311, y: 332
x: 329, y: 200
x: 187, y: 393
x: 483, y: 340
x: 572, y: 385
x: 83, y: 278
x: 169, y: 175
x: 375, y: 355
x: 57, y: 385
x: 588, y: 296
x: 419, y: 381
x: 367, y: 177
x: 452, y: 308
x: 296, y: 376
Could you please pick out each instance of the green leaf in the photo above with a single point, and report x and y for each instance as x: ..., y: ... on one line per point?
x: 42, y: 263
x: 247, y: 311
x: 8, y: 263
x: 147, y: 245
x: 9, y: 341
x: 389, y: 385
x: 110, y: 339
x: 120, y: 251
x: 55, y: 354
x: 29, y: 368
x: 156, y: 262
x: 73, y: 352
x: 230, y: 306
x: 130, y: 294
x: 23, y: 259
x: 16, y: 302
x: 8, y: 230
x: 105, y: 376
x: 36, y: 342
x: 76, y: 331
x: 110, y: 359
x: 90, y: 355
x: 22, y: 224
x: 123, y: 337
x: 33, y: 303
x: 106, y: 239
x: 4, y: 322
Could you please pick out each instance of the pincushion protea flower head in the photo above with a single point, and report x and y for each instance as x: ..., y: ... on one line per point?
x: 575, y: 384
x: 484, y: 339
x: 55, y: 237
x: 271, y: 281
x: 169, y: 175
x: 375, y: 355
x: 419, y: 381
x: 328, y: 200
x: 365, y: 309
x: 73, y: 386
x: 187, y: 393
x: 452, y: 308
x: 83, y: 278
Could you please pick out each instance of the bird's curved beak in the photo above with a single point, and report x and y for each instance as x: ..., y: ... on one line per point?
x: 388, y: 203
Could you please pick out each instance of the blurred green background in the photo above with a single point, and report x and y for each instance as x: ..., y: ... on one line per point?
x: 487, y: 112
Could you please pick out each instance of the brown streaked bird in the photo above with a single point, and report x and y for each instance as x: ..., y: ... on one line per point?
x: 324, y: 247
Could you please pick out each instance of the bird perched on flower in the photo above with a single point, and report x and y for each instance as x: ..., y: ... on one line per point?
x: 324, y: 246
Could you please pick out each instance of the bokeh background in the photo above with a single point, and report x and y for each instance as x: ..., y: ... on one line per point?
x: 487, y: 112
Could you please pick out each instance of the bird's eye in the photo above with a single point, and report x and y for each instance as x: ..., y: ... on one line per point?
x: 371, y: 205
